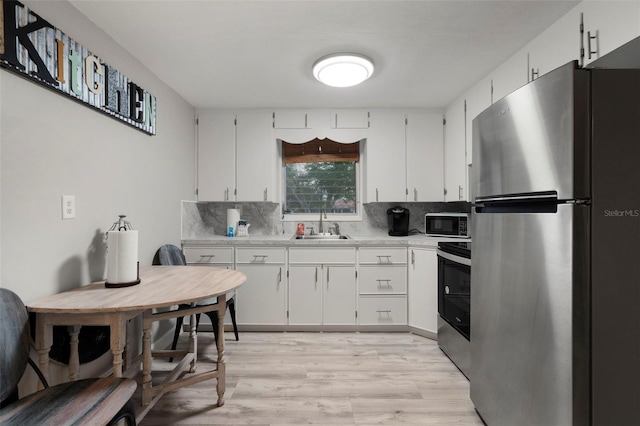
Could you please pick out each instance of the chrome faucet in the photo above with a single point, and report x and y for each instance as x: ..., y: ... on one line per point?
x: 322, y: 211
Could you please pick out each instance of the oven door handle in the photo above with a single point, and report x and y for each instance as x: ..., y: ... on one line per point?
x: 454, y: 258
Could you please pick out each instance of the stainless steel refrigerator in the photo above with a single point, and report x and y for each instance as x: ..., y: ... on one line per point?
x: 555, y: 299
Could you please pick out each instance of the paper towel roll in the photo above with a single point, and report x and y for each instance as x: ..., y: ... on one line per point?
x: 233, y: 216
x: 122, y: 257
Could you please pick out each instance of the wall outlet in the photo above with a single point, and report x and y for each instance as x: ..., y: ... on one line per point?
x: 68, y: 207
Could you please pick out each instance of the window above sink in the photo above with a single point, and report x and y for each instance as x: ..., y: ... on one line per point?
x: 321, y: 174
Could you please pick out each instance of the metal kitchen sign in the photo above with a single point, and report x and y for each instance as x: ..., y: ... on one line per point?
x: 32, y: 47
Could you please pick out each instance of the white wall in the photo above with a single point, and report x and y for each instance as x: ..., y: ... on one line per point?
x: 51, y: 145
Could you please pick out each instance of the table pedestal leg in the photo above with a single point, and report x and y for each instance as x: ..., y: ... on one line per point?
x: 193, y: 342
x: 74, y: 358
x: 118, y: 332
x: 220, y: 387
x: 146, y: 358
x: 43, y: 342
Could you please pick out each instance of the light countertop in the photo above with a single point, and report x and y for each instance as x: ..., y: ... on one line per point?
x: 288, y: 241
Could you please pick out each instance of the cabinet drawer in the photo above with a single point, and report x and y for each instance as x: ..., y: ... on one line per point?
x: 334, y: 255
x: 208, y: 254
x: 260, y: 255
x: 383, y: 255
x: 383, y: 279
x: 382, y: 310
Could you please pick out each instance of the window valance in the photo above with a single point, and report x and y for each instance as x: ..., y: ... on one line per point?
x: 319, y: 151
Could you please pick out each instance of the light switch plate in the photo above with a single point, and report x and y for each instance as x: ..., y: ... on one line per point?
x: 68, y: 207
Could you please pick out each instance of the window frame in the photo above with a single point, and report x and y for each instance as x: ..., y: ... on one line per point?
x: 315, y: 217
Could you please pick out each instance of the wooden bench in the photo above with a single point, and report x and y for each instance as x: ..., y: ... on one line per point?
x: 99, y: 401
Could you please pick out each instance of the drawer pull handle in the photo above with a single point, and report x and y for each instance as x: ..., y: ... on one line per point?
x: 381, y: 257
x: 259, y: 257
x: 384, y: 311
x: 384, y: 282
x: 202, y: 256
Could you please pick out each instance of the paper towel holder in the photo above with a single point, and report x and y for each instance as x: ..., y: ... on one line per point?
x: 123, y: 225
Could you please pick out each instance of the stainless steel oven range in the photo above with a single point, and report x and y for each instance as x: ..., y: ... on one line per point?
x: 454, y: 296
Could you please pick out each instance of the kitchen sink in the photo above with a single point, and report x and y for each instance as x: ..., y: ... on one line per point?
x: 324, y: 236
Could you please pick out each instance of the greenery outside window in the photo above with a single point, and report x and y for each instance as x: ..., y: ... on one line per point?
x: 321, y: 174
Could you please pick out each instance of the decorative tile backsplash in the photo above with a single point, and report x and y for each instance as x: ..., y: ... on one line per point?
x: 202, y: 219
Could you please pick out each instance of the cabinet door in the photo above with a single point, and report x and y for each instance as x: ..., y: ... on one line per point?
x: 216, y: 157
x: 423, y: 289
x: 478, y: 99
x: 305, y: 295
x: 557, y: 45
x: 509, y: 76
x: 339, y: 295
x: 425, y: 157
x: 385, y: 156
x: 613, y: 23
x: 290, y: 119
x: 256, y: 157
x: 350, y: 119
x: 261, y: 298
x: 455, y: 164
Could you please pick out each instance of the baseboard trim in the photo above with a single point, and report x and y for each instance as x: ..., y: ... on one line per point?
x: 394, y: 328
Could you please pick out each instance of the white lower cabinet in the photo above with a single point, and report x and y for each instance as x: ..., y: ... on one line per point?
x: 423, y: 289
x: 316, y: 286
x: 215, y: 256
x: 385, y: 310
x: 218, y: 257
x: 321, y: 293
x: 382, y: 286
x: 305, y: 295
x: 261, y: 299
x: 339, y: 295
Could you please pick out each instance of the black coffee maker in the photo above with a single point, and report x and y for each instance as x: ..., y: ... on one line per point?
x: 398, y: 221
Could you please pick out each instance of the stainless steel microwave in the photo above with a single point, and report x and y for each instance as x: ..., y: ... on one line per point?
x: 446, y: 225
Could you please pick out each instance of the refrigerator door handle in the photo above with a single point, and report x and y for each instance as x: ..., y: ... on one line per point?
x: 512, y: 198
x: 536, y: 202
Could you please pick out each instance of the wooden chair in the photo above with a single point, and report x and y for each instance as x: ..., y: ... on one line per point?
x: 99, y: 401
x: 172, y: 255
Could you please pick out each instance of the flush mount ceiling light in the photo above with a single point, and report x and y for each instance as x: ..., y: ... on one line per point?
x: 343, y: 69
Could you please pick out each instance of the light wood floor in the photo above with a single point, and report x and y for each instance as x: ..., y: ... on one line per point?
x: 323, y: 378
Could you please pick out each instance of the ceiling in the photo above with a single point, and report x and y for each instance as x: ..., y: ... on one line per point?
x: 259, y: 54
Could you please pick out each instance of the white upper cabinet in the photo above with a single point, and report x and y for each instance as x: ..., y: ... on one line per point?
x: 610, y: 25
x: 606, y: 26
x: 216, y: 157
x: 236, y: 157
x: 350, y: 119
x: 478, y: 99
x: 256, y: 156
x: 455, y: 164
x: 404, y: 153
x: 559, y: 44
x: 385, y: 157
x: 509, y: 76
x: 290, y: 119
x: 425, y: 157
